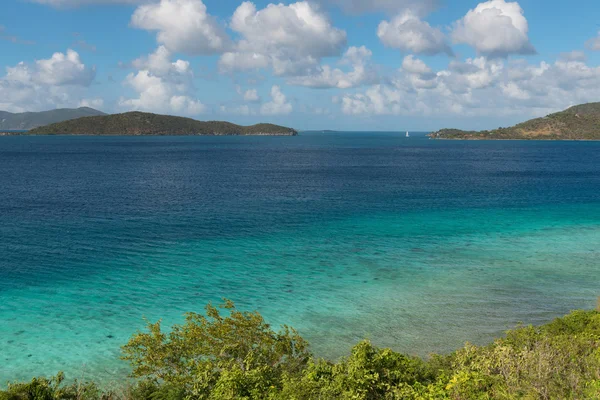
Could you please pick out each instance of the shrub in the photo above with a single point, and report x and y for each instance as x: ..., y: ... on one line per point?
x: 369, y: 373
x: 51, y: 389
x: 216, y: 356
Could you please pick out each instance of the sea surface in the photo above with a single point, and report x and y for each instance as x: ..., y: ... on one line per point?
x: 415, y: 244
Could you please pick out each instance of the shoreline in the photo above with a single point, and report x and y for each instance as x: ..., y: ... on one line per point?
x: 515, y: 140
x: 143, y: 135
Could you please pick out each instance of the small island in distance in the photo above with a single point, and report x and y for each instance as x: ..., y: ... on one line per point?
x: 137, y: 123
x: 580, y: 122
x: 29, y: 120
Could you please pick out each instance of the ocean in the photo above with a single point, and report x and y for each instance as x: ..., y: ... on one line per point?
x: 415, y: 244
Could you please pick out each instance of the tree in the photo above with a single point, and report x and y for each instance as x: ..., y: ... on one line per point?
x: 215, y: 356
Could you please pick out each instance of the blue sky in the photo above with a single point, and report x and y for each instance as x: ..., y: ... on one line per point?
x: 326, y: 64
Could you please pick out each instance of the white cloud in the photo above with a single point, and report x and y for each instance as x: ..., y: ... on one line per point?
x: 575, y: 55
x: 594, y: 43
x: 251, y: 95
x: 413, y: 65
x: 495, y: 28
x: 183, y: 26
x: 420, y: 7
x: 243, y: 109
x: 478, y: 87
x: 328, y: 77
x: 48, y: 83
x: 408, y: 32
x: 162, y: 86
x: 278, y: 104
x: 59, y: 70
x: 357, y: 55
x: 377, y: 100
x: 96, y: 103
x: 290, y: 39
x: 417, y: 75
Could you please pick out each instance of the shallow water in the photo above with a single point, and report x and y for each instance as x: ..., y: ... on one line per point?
x: 419, y: 245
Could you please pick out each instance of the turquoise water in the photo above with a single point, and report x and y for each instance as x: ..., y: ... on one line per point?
x: 418, y: 245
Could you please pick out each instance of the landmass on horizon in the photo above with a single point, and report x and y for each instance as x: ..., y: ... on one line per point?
x: 137, y: 123
x: 580, y: 122
x: 29, y: 120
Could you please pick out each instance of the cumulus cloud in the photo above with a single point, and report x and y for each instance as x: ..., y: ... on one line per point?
x: 243, y: 109
x: 59, y: 70
x: 96, y: 103
x: 327, y: 77
x: 478, y: 87
x: 251, y: 95
x: 594, y: 43
x: 408, y: 32
x: 495, y: 29
x: 48, y: 83
x: 162, y: 86
x: 183, y: 26
x: 278, y: 104
x: 420, y: 7
x: 575, y: 55
x: 290, y: 39
x: 413, y: 65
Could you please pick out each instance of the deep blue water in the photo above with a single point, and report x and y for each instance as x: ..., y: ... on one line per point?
x: 416, y: 244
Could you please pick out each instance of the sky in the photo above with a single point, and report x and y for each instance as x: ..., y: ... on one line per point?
x: 393, y: 65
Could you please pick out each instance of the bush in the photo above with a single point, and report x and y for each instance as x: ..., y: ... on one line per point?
x: 216, y: 356
x: 560, y: 360
x: 51, y: 389
x: 369, y: 373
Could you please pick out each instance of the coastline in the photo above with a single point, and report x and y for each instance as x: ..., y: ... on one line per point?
x: 514, y: 140
x: 8, y: 133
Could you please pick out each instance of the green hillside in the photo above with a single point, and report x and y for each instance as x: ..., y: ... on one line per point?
x: 139, y: 123
x: 580, y: 122
x: 31, y: 120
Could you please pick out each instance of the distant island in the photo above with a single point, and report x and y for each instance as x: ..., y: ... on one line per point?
x: 145, y: 124
x: 30, y: 120
x: 580, y: 122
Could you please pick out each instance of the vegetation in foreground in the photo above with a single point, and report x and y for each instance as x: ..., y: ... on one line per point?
x: 140, y: 123
x: 580, y: 122
x: 228, y: 354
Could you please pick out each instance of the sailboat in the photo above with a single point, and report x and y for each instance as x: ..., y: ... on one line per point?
x: 407, y: 135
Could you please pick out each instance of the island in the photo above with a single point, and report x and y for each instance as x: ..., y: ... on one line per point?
x: 29, y: 120
x: 580, y: 122
x: 137, y: 123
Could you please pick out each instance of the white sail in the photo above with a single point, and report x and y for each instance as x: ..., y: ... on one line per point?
x: 407, y: 135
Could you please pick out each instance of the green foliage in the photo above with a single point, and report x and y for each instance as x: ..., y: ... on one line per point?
x: 216, y: 356
x: 239, y: 356
x: 369, y: 373
x: 52, y: 389
x: 139, y: 123
x: 560, y: 360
